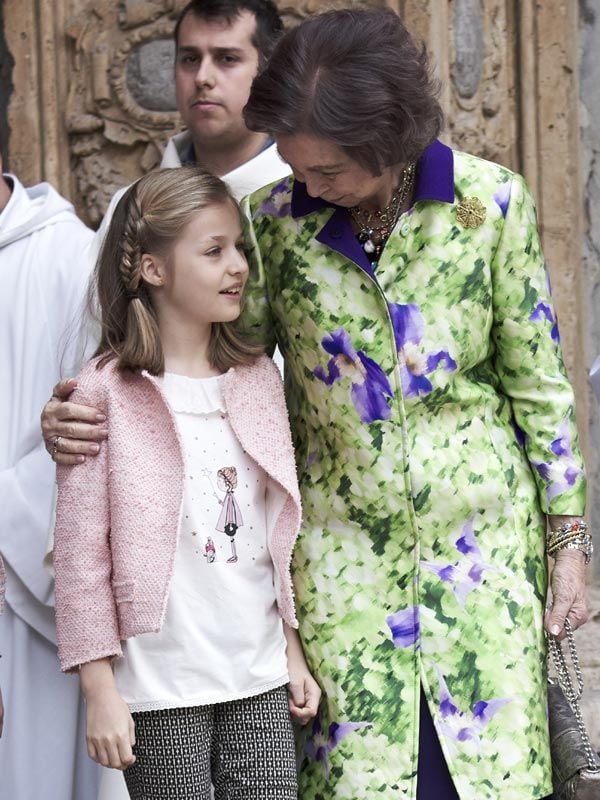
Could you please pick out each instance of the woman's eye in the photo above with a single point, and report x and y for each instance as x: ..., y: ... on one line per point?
x: 214, y: 251
x: 241, y: 246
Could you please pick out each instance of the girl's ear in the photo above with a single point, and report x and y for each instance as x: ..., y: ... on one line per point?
x: 152, y: 269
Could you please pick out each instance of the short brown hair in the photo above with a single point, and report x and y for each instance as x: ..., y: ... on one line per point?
x: 269, y: 26
x: 356, y: 78
x: 148, y: 219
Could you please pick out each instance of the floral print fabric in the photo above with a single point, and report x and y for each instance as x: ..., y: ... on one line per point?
x: 434, y: 427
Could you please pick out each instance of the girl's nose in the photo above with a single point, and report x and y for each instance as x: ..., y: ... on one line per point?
x: 238, y: 264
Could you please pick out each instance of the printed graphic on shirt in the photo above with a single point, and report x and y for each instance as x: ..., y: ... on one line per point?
x: 210, y: 553
x: 230, y: 518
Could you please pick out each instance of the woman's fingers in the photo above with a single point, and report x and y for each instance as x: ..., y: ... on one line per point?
x: 64, y: 388
x: 568, y: 593
x: 65, y: 450
x: 74, y: 429
x: 64, y: 460
x: 578, y: 614
x: 69, y: 440
x: 72, y: 442
x: 70, y: 429
x: 79, y: 413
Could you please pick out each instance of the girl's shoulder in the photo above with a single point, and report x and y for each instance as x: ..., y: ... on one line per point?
x: 256, y: 390
x: 262, y: 372
x: 99, y: 379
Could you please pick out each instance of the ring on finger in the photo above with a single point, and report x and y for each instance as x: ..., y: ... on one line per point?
x: 49, y: 442
x: 55, y: 441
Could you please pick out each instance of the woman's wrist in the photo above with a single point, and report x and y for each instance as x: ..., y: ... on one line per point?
x: 556, y: 520
x: 575, y: 556
x: 568, y: 533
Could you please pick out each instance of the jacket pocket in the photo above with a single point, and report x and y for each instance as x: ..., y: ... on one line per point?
x: 123, y: 591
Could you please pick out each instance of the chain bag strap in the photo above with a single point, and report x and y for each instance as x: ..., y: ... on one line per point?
x: 575, y: 765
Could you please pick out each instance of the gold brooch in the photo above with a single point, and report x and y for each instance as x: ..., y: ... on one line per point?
x: 470, y: 212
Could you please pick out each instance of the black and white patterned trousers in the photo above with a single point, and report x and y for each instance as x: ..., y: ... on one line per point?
x: 245, y: 748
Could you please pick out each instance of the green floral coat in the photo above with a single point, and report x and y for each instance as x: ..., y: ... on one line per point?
x: 434, y: 428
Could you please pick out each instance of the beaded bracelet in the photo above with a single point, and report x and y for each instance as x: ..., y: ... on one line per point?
x: 570, y: 536
x: 557, y: 539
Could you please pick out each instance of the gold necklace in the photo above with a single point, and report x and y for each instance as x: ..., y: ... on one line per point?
x: 376, y: 226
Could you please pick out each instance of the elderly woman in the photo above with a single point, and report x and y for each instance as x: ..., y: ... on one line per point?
x: 405, y: 285
x: 434, y: 425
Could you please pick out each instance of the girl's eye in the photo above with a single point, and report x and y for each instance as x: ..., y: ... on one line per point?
x: 214, y: 251
x: 241, y: 246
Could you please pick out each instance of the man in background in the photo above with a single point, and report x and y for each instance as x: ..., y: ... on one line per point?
x: 220, y: 46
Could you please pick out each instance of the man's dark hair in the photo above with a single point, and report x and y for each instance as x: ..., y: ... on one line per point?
x: 355, y: 78
x: 269, y: 26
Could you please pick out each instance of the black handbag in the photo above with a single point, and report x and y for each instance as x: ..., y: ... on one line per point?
x: 575, y: 765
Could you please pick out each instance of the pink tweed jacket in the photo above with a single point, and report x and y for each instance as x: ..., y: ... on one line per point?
x: 118, y: 514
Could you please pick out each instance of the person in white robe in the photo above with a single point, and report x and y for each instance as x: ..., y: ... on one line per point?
x: 45, y: 273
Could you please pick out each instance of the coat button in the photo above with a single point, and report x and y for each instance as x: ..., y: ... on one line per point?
x: 336, y: 233
x: 405, y: 229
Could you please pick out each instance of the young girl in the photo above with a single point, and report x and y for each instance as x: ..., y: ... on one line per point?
x: 173, y: 546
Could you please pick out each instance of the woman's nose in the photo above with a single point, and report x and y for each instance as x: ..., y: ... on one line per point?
x: 315, y: 186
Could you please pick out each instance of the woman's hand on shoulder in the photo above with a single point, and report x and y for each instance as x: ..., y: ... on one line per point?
x: 71, y: 431
x: 110, y: 729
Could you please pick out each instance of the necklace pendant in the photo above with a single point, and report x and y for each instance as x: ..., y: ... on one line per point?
x: 369, y: 246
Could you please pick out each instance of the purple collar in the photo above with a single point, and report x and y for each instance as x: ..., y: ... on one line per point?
x: 434, y: 181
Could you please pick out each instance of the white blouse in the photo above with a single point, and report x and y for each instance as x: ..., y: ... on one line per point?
x: 222, y: 638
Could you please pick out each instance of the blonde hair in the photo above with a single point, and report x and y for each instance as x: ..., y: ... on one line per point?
x: 148, y: 219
